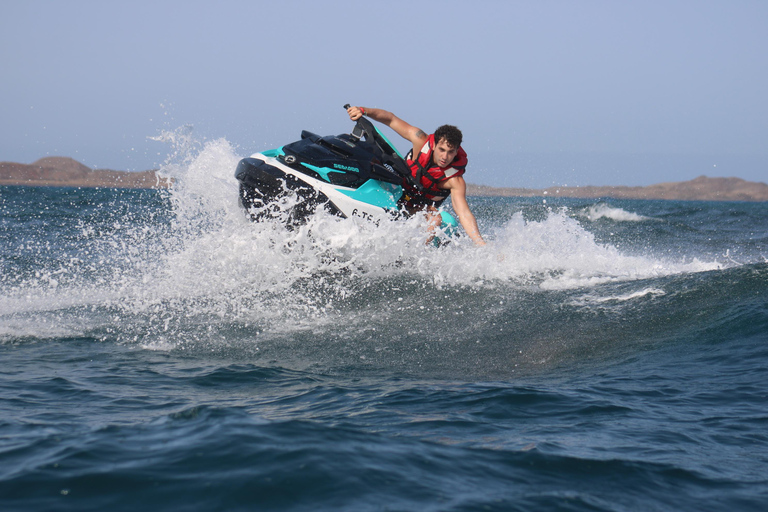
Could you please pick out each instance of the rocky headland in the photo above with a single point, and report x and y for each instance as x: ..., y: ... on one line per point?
x: 66, y: 172
x: 699, y: 189
x: 58, y: 171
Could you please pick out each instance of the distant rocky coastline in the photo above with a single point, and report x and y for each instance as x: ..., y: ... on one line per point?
x: 699, y: 189
x: 65, y: 172
x: 58, y: 171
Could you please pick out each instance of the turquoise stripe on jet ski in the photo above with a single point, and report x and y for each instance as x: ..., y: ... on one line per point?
x: 383, y: 195
x: 377, y: 193
x: 322, y: 171
x: 273, y: 153
x: 449, y: 224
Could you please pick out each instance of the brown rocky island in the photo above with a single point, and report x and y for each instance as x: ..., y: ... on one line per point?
x: 65, y: 172
x: 59, y: 171
x: 699, y: 189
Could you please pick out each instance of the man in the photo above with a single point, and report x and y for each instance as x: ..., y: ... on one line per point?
x: 437, y: 163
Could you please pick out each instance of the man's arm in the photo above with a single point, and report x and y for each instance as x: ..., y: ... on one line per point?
x: 458, y: 188
x: 416, y: 135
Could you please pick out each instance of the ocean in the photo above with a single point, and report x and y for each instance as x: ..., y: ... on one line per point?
x: 159, y: 351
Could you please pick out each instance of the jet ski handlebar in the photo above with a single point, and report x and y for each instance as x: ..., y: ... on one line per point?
x: 364, y: 127
x: 388, y: 154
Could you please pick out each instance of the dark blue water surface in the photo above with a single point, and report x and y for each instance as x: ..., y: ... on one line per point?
x: 161, y: 352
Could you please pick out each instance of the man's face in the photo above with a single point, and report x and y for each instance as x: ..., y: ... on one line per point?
x: 444, y: 153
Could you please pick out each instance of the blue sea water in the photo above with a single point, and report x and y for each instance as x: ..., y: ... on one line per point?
x: 159, y: 351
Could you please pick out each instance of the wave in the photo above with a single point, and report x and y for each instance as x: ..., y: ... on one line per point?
x: 605, y: 211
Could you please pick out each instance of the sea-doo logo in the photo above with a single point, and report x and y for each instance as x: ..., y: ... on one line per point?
x: 391, y: 169
x: 290, y: 159
x: 346, y: 168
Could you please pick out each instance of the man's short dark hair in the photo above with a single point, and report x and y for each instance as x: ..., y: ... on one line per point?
x: 450, y: 133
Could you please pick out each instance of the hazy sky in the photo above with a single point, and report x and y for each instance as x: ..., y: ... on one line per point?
x: 546, y: 92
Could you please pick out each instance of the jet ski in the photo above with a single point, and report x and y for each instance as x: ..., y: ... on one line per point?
x: 359, y: 174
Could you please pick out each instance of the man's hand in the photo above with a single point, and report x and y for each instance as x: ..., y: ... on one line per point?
x: 355, y: 113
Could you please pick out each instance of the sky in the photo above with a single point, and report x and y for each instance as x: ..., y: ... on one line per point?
x: 547, y: 92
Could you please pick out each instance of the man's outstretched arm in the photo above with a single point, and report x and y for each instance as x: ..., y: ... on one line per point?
x: 458, y: 188
x: 416, y: 135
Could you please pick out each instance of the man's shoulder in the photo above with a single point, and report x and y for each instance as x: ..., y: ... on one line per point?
x: 420, y: 140
x: 455, y: 184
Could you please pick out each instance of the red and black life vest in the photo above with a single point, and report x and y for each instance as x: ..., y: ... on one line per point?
x: 427, y: 175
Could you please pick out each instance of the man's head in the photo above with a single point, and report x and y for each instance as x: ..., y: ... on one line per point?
x: 447, y: 142
x: 450, y: 133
